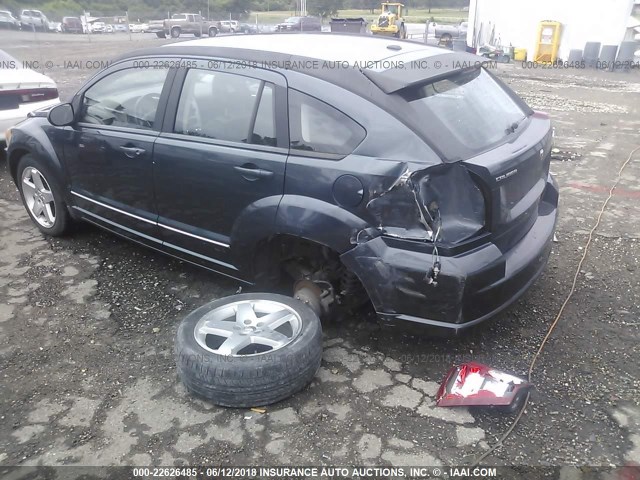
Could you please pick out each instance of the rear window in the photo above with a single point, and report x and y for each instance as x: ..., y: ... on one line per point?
x: 466, y: 113
x: 315, y: 126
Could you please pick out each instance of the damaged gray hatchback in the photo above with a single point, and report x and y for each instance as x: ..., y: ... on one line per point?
x: 343, y: 169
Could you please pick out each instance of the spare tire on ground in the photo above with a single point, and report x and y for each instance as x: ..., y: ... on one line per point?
x: 249, y: 350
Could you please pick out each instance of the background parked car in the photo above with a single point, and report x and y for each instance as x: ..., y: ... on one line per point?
x: 189, y: 23
x: 98, y: 27
x: 154, y: 26
x: 23, y: 91
x: 300, y: 24
x: 71, y: 25
x: 138, y: 27
x: 30, y: 19
x: 443, y: 31
x: 248, y: 28
x: 120, y: 28
x: 7, y: 20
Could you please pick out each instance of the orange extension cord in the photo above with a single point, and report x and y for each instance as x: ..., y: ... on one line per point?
x: 500, y: 442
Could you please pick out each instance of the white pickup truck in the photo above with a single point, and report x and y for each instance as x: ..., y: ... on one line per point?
x: 188, y: 23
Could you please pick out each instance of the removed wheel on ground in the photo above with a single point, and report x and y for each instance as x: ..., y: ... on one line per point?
x: 249, y: 350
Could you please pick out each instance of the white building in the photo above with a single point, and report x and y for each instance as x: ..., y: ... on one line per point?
x: 516, y: 22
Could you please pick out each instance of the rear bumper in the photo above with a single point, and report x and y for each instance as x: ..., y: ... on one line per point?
x: 9, y: 118
x: 472, y: 286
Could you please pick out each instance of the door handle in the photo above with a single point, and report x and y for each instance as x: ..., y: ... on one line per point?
x: 253, y: 172
x: 132, y: 152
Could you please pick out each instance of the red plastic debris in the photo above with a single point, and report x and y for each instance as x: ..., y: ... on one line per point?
x: 476, y: 384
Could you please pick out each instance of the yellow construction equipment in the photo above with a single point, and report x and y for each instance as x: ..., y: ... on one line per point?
x: 390, y: 22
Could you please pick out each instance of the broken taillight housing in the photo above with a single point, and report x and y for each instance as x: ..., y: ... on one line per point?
x: 440, y: 203
x: 476, y: 384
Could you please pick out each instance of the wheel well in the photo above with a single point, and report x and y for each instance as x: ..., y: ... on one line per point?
x: 14, y: 160
x: 282, y: 261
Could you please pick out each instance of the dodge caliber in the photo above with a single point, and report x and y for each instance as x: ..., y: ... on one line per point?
x: 347, y: 170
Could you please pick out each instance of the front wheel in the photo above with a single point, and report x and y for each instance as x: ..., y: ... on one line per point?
x: 249, y: 350
x: 175, y: 32
x: 42, y: 197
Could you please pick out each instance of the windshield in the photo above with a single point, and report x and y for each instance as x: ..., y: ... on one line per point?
x: 292, y: 20
x: 465, y: 113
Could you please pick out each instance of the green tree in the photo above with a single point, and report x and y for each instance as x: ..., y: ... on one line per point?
x: 324, y: 8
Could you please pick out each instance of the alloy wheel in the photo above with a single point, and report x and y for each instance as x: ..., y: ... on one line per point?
x: 38, y: 197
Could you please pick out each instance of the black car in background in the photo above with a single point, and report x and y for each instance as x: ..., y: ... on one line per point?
x: 247, y: 28
x: 71, y: 25
x: 300, y: 24
x: 417, y: 181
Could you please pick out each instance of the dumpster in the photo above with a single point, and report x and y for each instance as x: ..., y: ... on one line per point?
x: 348, y: 25
x: 520, y: 54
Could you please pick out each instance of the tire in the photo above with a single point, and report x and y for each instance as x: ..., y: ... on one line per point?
x: 252, y: 379
x: 197, y: 34
x: 62, y: 220
x: 161, y: 35
x: 175, y: 32
x: 213, y: 32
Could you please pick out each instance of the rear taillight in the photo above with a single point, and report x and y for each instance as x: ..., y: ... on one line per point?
x: 37, y: 94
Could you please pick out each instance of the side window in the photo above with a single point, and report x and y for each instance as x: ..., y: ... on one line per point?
x: 126, y: 98
x: 264, y: 130
x: 222, y: 106
x: 317, y: 127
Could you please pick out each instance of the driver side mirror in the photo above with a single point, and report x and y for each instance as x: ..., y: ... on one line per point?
x: 61, y: 115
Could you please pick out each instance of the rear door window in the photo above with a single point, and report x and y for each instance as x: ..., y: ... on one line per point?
x: 226, y: 106
x: 315, y: 126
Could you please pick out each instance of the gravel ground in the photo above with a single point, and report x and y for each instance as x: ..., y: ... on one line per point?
x: 87, y: 324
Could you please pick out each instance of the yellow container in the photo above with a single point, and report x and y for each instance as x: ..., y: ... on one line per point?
x: 548, y: 42
x: 520, y: 54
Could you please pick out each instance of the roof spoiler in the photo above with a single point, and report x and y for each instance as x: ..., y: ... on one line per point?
x: 423, y: 70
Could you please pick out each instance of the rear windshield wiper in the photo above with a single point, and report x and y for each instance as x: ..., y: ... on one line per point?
x: 514, y: 126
